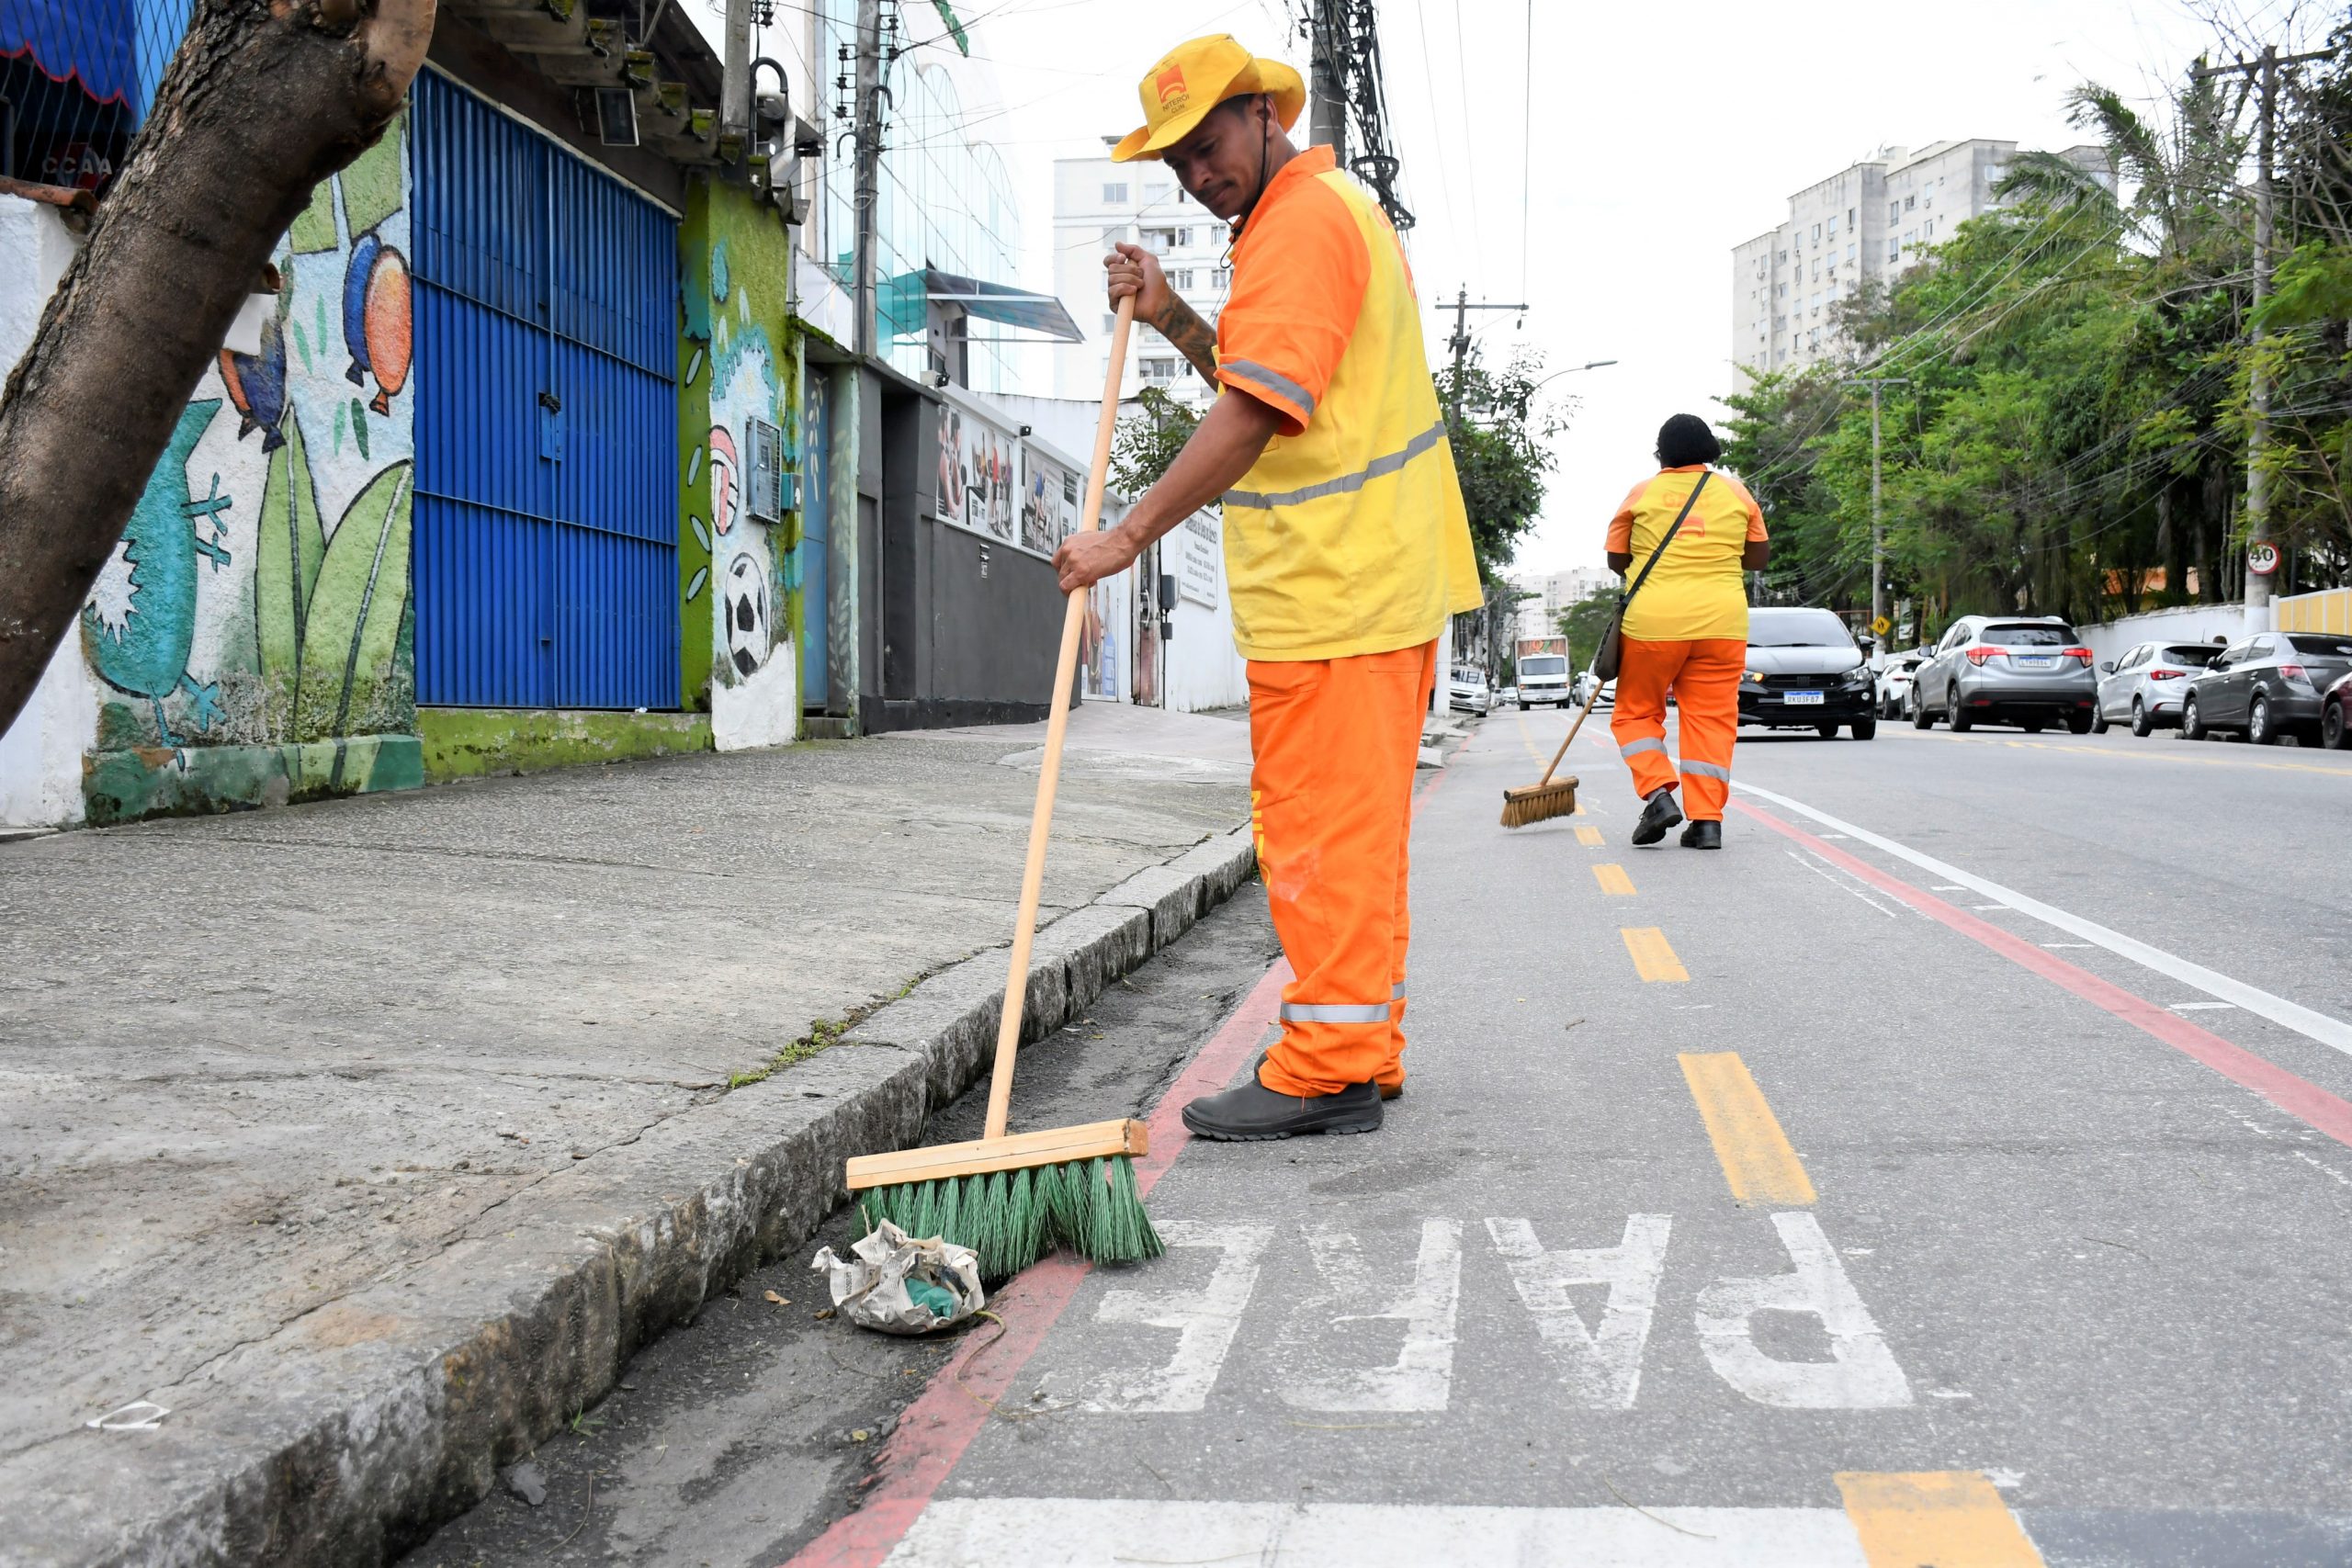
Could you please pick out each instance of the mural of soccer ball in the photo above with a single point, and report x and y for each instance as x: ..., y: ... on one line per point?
x: 747, y: 613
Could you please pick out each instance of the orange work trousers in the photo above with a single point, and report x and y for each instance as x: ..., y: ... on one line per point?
x: 1704, y: 675
x: 1330, y: 805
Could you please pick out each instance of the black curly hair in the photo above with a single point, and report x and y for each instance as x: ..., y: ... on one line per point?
x: 1686, y: 439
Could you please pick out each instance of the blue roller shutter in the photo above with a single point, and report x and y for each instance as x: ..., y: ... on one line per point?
x: 546, y: 431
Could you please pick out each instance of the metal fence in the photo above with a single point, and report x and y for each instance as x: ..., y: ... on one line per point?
x: 76, y: 80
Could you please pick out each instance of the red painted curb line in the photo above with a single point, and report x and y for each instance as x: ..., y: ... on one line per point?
x: 2304, y: 1100
x: 941, y: 1424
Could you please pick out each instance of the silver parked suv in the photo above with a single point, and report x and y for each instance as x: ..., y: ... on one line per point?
x: 2027, y: 671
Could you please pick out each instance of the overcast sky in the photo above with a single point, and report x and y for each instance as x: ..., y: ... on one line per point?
x: 1662, y: 136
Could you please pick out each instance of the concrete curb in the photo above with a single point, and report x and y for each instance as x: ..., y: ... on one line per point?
x: 351, y: 1433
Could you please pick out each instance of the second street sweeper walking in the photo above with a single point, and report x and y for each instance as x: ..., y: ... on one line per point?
x: 1346, y: 548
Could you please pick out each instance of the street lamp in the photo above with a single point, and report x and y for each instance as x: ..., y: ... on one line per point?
x: 1570, y: 370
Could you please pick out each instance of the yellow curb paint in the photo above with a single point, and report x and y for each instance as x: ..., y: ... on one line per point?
x: 1588, y: 837
x: 1951, y: 1518
x: 1652, y: 956
x: 1755, y: 1154
x: 1613, y: 879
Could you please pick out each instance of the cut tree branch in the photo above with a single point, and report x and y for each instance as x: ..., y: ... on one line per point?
x: 264, y: 99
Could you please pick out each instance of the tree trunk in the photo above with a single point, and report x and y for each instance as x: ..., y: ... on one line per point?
x: 264, y: 99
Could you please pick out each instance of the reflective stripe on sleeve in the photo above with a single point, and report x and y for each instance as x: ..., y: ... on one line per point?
x: 1273, y: 381
x: 1396, y: 992
x: 1387, y: 463
x: 1635, y: 747
x: 1335, y: 1012
x: 1707, y: 771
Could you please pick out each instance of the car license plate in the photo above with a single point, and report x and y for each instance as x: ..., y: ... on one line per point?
x: 2034, y: 660
x: 1803, y: 699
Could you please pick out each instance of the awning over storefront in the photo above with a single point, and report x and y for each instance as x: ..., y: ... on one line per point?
x: 1002, y: 302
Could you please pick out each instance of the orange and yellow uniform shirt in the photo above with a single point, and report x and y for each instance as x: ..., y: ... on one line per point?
x: 1348, y: 535
x: 1696, y: 592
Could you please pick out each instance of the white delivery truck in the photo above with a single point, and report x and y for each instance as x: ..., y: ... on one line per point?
x: 1543, y: 671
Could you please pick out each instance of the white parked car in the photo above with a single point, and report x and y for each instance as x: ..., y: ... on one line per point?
x: 2145, y: 688
x: 1468, y: 690
x: 1895, y: 683
x: 1583, y: 692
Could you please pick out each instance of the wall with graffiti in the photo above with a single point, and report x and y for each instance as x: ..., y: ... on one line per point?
x: 739, y: 371
x: 250, y: 635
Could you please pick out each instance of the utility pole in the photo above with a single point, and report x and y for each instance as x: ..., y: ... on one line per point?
x: 1460, y: 343
x: 2264, y: 73
x: 869, y: 171
x: 735, y: 85
x: 1878, y: 515
x: 1328, y: 123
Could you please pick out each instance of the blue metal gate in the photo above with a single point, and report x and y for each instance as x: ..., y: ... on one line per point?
x: 547, y: 424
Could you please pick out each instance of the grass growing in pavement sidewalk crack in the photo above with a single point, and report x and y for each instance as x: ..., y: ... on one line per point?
x: 822, y: 1034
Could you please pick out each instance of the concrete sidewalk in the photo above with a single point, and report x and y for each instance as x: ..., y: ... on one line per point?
x: 371, y: 1136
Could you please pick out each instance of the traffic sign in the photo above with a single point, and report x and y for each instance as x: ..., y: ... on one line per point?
x: 2262, y: 557
x: 1881, y: 626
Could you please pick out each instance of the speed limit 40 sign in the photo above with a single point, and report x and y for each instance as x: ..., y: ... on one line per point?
x: 2262, y: 557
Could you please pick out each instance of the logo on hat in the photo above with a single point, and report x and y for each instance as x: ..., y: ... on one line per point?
x: 1170, y: 84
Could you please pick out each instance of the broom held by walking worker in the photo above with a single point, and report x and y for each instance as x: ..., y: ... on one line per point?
x: 1346, y: 548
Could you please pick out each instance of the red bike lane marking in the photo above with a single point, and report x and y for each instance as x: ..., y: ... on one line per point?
x: 941, y: 1424
x: 2298, y: 1097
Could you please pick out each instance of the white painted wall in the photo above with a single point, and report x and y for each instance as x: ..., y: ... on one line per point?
x: 41, y: 755
x: 2189, y: 623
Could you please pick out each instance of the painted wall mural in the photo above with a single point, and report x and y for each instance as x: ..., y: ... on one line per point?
x: 740, y: 361
x: 258, y: 602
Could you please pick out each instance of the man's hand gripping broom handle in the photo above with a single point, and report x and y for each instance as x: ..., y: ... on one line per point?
x: 1049, y: 771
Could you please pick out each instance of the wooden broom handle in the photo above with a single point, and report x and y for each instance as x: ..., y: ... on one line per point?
x: 1049, y: 770
x: 1563, y: 751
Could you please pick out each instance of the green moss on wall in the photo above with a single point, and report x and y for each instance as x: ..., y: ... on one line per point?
x: 473, y: 742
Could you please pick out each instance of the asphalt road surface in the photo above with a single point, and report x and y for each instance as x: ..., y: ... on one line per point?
x: 1956, y: 1170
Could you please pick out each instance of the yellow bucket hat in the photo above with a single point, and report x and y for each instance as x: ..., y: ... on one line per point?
x: 1193, y: 78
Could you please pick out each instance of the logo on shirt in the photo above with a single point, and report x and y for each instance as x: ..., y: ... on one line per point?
x: 1169, y: 86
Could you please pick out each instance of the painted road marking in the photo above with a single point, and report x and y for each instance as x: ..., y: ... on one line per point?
x: 1588, y: 837
x: 2200, y: 1007
x: 2303, y: 1021
x: 1653, y: 958
x: 1087, y: 1532
x: 1205, y: 1318
x: 1422, y: 1377
x: 1951, y: 1519
x: 2306, y: 1101
x: 1861, y: 1374
x: 1602, y: 1369
x: 1826, y: 876
x: 1613, y: 880
x: 1755, y: 1154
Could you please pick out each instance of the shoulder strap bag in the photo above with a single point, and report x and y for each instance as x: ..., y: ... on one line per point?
x: 1611, y: 652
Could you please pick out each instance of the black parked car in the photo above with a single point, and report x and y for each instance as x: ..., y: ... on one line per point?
x: 2266, y: 686
x: 2335, y: 716
x: 1805, y: 672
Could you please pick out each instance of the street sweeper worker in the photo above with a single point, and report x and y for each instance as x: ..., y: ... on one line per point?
x: 1685, y: 630
x: 1346, y: 548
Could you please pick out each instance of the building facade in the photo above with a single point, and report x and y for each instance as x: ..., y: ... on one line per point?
x: 1550, y: 594
x: 1097, y: 203
x: 1865, y: 225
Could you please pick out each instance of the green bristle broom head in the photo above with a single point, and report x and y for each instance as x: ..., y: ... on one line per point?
x: 1010, y: 1219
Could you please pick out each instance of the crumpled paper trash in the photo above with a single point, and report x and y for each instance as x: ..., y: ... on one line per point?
x: 900, y: 1285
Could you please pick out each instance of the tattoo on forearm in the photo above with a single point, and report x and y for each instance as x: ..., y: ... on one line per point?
x: 1193, y: 337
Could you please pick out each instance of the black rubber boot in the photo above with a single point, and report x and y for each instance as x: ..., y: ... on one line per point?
x: 1253, y: 1113
x: 1659, y: 815
x: 1702, y: 835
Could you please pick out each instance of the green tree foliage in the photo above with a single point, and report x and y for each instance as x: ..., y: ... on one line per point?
x: 1147, y: 441
x: 1501, y: 437
x: 2073, y: 436
x: 1583, y: 623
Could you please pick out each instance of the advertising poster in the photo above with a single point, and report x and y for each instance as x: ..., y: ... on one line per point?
x: 1050, y: 498
x: 978, y: 478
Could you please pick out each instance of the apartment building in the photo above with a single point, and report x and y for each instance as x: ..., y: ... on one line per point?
x: 1554, y: 593
x: 1868, y: 223
x: 1097, y: 203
